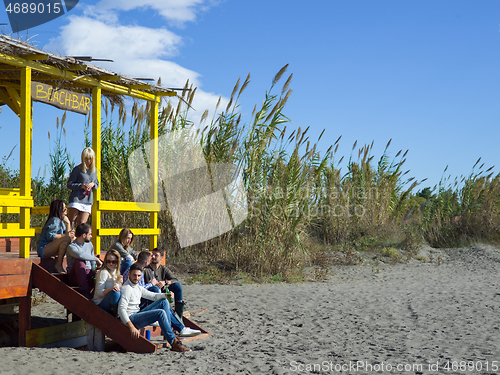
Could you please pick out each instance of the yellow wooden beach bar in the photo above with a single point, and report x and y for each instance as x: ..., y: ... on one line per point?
x: 70, y: 83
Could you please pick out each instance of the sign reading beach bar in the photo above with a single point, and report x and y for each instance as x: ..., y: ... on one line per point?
x: 60, y: 98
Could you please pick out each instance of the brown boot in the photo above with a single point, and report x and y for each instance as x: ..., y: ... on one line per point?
x: 178, y: 346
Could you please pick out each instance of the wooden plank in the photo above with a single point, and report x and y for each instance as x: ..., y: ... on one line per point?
x: 13, y: 291
x: 28, y: 232
x: 88, y: 311
x: 95, y: 339
x: 10, y: 226
x: 115, y: 206
x: 136, y: 231
x: 14, y: 280
x: 12, y: 192
x: 24, y: 316
x: 77, y: 342
x: 60, y: 332
x: 40, y: 210
x: 15, y: 202
x: 14, y: 266
x: 9, y: 210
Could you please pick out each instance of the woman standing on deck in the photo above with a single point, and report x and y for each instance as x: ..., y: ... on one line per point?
x: 82, y: 181
x: 108, y: 282
x: 55, y: 236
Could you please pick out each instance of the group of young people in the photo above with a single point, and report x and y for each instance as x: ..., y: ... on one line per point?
x: 136, y: 287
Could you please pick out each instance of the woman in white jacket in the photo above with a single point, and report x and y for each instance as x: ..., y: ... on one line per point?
x: 108, y: 282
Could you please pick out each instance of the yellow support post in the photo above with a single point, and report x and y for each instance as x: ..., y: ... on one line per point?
x: 96, y: 145
x: 153, y: 163
x: 25, y: 158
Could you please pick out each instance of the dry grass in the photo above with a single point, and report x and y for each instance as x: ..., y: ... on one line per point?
x: 299, y: 200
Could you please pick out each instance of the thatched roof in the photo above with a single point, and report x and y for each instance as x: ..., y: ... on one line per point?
x: 68, y: 72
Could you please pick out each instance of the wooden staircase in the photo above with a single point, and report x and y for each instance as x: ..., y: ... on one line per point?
x: 88, y: 311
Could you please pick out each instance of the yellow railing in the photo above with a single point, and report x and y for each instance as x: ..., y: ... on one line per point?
x: 11, y: 203
x: 106, y: 206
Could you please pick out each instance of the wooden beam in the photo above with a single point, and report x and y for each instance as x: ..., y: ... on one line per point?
x: 96, y: 145
x: 15, y: 202
x: 40, y: 210
x: 165, y: 93
x: 140, y: 86
x: 109, y: 77
x: 118, y: 206
x: 25, y: 159
x: 25, y: 314
x: 153, y: 163
x: 136, y: 231
x: 77, y: 67
x: 15, y: 266
x: 5, y: 97
x: 68, y: 75
x: 52, y: 334
x: 15, y: 99
x: 13, y: 291
x: 35, y: 56
x: 17, y: 233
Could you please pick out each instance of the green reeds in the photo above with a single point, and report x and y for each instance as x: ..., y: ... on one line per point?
x: 297, y: 197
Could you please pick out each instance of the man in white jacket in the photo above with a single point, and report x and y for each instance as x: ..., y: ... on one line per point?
x: 159, y: 311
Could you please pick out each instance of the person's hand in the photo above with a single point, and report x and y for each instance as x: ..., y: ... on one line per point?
x: 172, y: 295
x: 134, y: 332
x: 99, y: 262
x: 116, y: 288
x: 160, y: 284
x: 154, y: 282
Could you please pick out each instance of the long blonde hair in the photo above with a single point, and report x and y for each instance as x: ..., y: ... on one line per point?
x: 123, y: 236
x: 115, y: 274
x: 88, y: 153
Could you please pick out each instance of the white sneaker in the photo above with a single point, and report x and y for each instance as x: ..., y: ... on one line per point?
x: 187, y: 332
x: 155, y: 324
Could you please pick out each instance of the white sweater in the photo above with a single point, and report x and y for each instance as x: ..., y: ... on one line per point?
x: 130, y: 299
x: 103, y: 280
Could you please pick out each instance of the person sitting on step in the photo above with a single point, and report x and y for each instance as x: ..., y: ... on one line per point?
x: 81, y: 260
x: 56, y: 234
x: 124, y: 247
x: 108, y: 282
x: 159, y: 310
x: 160, y: 276
x: 143, y: 260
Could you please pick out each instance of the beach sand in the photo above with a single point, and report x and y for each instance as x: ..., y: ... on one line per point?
x: 405, y: 319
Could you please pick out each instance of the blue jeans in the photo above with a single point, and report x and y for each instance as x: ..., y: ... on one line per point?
x: 176, y: 288
x: 124, y: 265
x: 161, y: 312
x: 109, y: 299
x: 146, y: 302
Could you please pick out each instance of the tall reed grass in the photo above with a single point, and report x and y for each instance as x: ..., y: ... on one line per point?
x: 298, y: 198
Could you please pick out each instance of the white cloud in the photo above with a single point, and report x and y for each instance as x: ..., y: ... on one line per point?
x: 137, y: 51
x: 114, y: 41
x: 177, y: 11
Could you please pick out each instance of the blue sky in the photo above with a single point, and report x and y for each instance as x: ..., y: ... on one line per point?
x: 424, y: 73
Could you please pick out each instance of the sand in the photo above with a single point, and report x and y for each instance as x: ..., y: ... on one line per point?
x: 415, y: 318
